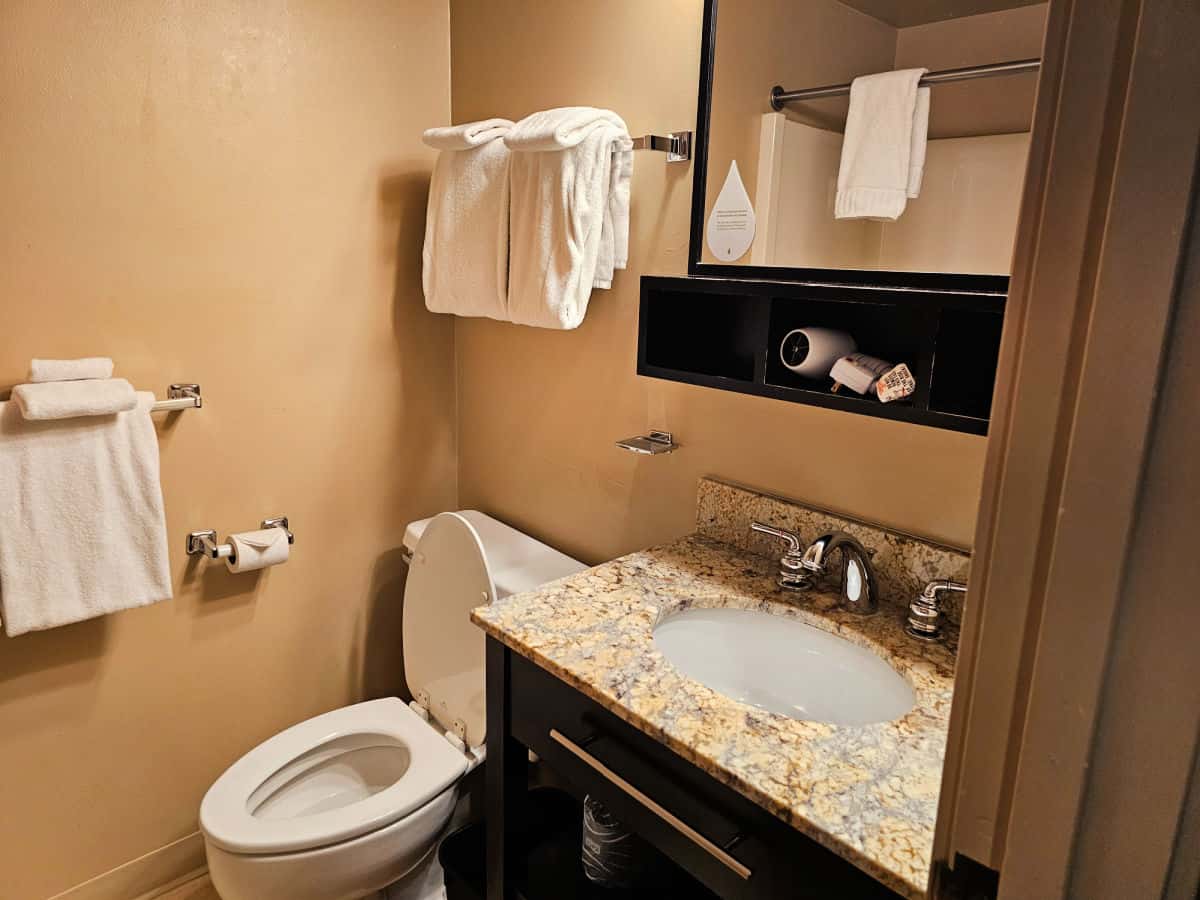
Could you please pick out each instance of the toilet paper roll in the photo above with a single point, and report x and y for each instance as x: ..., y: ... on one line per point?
x: 254, y: 550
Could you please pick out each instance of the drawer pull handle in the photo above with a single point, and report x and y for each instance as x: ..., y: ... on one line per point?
x: 674, y: 821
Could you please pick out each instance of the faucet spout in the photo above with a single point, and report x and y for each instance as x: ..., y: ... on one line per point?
x: 859, y: 590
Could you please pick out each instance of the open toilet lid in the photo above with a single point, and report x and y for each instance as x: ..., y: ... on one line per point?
x: 443, y: 651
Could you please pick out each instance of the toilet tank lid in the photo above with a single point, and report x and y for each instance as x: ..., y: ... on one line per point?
x: 516, y: 561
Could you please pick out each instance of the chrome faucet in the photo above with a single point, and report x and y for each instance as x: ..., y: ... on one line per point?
x: 860, y: 593
x: 925, y: 612
x: 792, y: 574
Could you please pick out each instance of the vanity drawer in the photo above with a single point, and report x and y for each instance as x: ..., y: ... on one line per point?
x: 724, y: 840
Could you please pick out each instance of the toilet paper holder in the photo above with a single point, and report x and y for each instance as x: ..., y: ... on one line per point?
x: 204, y: 543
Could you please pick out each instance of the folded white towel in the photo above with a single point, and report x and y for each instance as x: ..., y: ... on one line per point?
x: 886, y: 131
x: 82, y: 531
x: 73, y: 399
x: 920, y: 142
x: 70, y: 369
x: 570, y: 175
x: 465, y: 260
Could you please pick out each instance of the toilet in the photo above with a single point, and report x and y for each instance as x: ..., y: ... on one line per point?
x: 344, y: 804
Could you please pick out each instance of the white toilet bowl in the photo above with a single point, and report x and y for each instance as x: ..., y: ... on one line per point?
x: 361, y: 795
x: 342, y: 805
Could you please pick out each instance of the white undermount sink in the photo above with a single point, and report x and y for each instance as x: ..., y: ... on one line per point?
x: 783, y: 666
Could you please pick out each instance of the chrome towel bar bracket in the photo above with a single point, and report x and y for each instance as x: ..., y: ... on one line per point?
x: 179, y: 396
x: 677, y: 145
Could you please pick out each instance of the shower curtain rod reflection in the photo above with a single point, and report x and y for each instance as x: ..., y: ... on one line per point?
x: 780, y: 97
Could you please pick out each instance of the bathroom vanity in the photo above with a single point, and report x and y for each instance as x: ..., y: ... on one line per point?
x: 748, y: 803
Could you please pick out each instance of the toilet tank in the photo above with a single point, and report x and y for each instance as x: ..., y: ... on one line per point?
x: 516, y: 561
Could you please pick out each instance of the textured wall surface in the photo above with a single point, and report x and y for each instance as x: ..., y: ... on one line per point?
x: 230, y: 192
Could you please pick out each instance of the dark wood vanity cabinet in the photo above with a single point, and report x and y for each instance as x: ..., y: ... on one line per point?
x: 728, y: 844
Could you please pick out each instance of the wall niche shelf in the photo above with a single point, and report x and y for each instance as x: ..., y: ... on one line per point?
x: 725, y: 334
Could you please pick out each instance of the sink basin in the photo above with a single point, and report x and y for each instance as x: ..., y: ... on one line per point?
x: 783, y: 666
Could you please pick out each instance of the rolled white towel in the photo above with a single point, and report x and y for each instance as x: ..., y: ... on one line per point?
x: 465, y: 258
x: 73, y: 399
x: 570, y: 172
x: 41, y: 370
x: 464, y: 137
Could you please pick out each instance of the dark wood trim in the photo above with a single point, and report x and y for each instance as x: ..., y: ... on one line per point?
x: 505, y: 780
x: 708, y: 49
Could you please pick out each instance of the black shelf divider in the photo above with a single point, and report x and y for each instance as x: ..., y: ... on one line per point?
x: 725, y: 333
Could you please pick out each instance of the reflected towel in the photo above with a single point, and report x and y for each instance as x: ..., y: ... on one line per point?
x: 886, y: 132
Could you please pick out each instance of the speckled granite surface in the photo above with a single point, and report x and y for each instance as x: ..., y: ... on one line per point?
x: 868, y: 793
x: 903, y: 564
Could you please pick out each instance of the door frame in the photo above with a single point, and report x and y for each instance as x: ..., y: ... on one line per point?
x: 1096, y: 284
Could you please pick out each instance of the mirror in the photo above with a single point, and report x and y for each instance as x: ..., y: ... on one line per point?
x: 964, y: 217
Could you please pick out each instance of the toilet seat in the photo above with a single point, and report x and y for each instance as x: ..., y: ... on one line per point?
x: 267, y: 773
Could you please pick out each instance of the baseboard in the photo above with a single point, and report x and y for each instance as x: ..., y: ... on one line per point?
x: 147, y: 876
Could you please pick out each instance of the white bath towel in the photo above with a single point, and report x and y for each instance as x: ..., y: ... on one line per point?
x: 82, y: 531
x: 74, y: 399
x: 465, y: 260
x: 570, y: 174
x: 920, y: 142
x: 886, y: 131
x: 70, y: 369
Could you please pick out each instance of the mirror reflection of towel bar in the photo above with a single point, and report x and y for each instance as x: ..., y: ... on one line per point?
x: 780, y: 97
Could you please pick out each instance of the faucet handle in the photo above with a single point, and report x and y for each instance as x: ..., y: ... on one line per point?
x: 925, y: 611
x: 792, y: 574
x: 793, y: 540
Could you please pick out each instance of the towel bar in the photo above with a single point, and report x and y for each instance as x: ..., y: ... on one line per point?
x: 179, y: 396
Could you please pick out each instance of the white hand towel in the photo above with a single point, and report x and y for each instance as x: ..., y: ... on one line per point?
x: 883, y: 139
x: 920, y: 141
x: 70, y: 369
x: 82, y: 531
x: 465, y: 260
x: 74, y: 399
x: 570, y: 174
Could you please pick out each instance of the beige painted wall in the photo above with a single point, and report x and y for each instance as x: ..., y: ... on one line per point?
x: 984, y: 106
x: 539, y: 410
x: 230, y: 192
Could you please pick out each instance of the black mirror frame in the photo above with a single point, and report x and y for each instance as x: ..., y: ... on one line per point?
x: 864, y: 278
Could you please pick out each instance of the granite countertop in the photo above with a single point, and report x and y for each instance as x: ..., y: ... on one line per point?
x: 868, y: 793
